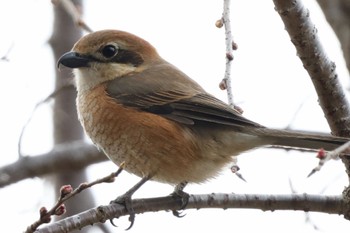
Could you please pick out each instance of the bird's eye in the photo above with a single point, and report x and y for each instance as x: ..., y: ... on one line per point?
x: 109, y: 51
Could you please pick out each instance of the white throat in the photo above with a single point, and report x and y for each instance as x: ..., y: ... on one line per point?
x: 88, y: 78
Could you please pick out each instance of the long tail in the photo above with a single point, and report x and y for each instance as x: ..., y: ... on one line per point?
x: 299, y: 139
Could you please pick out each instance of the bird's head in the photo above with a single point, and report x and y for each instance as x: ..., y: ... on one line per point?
x: 106, y: 55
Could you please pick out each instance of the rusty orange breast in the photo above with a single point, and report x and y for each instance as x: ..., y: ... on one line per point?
x: 148, y: 144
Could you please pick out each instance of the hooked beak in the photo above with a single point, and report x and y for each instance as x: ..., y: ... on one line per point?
x: 74, y: 60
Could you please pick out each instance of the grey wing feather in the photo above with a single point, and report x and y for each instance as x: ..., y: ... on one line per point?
x: 175, y: 97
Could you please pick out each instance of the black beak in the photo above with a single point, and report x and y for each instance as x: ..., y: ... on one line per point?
x: 74, y: 60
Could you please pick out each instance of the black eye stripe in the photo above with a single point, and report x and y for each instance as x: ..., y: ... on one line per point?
x: 127, y: 57
x: 123, y: 57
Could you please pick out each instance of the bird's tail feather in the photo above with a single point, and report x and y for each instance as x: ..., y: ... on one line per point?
x: 300, y: 139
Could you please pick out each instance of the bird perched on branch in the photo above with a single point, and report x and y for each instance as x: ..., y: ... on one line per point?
x: 143, y: 111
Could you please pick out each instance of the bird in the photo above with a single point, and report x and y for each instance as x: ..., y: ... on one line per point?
x: 144, y: 112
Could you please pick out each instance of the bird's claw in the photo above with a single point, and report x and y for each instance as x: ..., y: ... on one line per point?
x: 126, y: 201
x: 184, y: 201
x: 178, y: 213
x: 112, y: 222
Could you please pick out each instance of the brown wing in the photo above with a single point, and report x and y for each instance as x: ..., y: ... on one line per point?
x: 168, y: 92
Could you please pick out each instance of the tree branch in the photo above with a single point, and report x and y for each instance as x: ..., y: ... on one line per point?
x: 74, y: 12
x: 229, y: 56
x: 64, y: 157
x: 303, y: 34
x: 302, y: 202
x: 326, y: 156
x: 66, y: 193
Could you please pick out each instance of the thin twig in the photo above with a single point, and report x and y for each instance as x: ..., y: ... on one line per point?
x: 74, y: 13
x: 225, y: 83
x: 67, y: 193
x: 326, y: 156
x: 235, y: 168
x: 5, y: 57
x: 49, y: 97
x: 294, y: 117
x: 229, y: 56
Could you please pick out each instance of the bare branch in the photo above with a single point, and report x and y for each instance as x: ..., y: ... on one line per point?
x: 326, y: 156
x: 302, y: 202
x: 66, y: 193
x: 69, y: 7
x: 303, y: 34
x: 77, y: 154
x: 307, y: 214
x: 226, y: 82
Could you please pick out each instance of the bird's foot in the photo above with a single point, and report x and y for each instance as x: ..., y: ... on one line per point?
x: 179, y: 193
x: 126, y: 201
